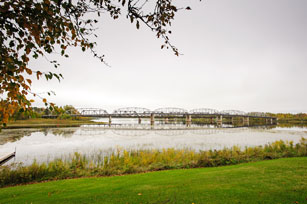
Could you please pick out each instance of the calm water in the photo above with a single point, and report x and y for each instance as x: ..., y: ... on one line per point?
x: 45, y: 144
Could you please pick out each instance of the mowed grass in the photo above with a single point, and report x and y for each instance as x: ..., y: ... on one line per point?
x: 273, y: 181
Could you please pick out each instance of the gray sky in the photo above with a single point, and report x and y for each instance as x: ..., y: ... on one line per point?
x: 237, y: 54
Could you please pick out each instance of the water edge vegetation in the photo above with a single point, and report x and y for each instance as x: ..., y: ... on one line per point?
x: 137, y: 161
x: 48, y: 122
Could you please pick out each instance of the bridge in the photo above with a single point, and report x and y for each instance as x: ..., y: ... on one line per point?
x: 213, y: 115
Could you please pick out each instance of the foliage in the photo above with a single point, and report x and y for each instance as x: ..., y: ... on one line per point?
x: 290, y: 118
x: 37, y: 28
x: 35, y: 112
x: 124, y: 162
x: 283, y: 119
x: 48, y: 123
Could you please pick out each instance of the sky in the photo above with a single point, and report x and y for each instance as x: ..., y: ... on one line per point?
x: 236, y: 54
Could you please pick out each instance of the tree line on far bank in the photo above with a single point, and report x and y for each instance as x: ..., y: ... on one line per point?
x: 290, y: 118
x: 62, y: 112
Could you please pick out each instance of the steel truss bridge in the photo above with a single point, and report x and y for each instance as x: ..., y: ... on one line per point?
x: 214, y: 115
x: 170, y: 111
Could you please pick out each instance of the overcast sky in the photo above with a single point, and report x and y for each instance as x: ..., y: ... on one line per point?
x: 248, y: 55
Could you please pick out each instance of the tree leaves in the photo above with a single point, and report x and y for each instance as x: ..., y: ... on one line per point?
x: 37, y: 28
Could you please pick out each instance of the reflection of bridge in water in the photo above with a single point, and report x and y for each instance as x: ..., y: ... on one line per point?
x: 135, y: 130
x: 211, y: 115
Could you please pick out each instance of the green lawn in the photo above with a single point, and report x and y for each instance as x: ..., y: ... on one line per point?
x: 275, y: 181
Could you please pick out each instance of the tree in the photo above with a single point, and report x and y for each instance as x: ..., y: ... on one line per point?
x: 35, y: 28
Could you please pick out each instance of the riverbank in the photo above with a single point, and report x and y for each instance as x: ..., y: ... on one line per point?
x: 139, y: 161
x: 274, y: 181
x: 44, y: 123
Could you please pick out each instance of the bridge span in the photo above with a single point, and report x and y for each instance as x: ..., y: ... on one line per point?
x: 213, y: 115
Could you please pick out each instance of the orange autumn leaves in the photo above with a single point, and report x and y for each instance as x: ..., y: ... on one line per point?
x: 32, y: 29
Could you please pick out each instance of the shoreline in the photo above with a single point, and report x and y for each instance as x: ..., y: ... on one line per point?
x: 50, y: 123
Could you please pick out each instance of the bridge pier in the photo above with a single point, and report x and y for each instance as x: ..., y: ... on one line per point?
x: 211, y: 120
x: 140, y: 120
x: 166, y: 120
x: 219, y: 120
x: 188, y: 120
x: 246, y: 121
x: 152, y: 119
x: 232, y: 120
x: 110, y: 120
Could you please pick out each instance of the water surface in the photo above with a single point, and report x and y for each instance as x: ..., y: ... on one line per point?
x: 47, y: 143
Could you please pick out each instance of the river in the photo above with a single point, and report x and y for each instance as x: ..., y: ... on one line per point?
x: 45, y: 144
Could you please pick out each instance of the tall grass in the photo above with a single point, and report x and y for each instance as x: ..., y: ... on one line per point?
x: 124, y: 162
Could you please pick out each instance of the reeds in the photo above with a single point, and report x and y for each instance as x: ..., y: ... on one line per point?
x: 127, y: 162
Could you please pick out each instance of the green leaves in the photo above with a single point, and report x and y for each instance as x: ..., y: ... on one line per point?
x: 50, y: 75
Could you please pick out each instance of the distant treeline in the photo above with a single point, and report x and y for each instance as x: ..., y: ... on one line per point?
x: 283, y: 118
x: 290, y: 118
x: 63, y: 112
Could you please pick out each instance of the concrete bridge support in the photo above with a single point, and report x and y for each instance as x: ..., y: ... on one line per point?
x: 246, y: 121
x: 110, y: 120
x: 139, y: 120
x: 166, y: 120
x: 152, y: 119
x: 232, y: 120
x: 188, y: 120
x: 219, y: 120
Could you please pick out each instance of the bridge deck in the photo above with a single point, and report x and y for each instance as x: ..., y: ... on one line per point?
x: 159, y: 115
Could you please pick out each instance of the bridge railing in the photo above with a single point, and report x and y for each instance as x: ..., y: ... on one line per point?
x: 170, y: 111
x: 92, y: 111
x: 132, y: 111
x: 233, y: 112
x: 257, y: 114
x: 204, y: 111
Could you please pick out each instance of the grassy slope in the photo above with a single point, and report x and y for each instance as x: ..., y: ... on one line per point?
x: 275, y: 181
x: 46, y: 122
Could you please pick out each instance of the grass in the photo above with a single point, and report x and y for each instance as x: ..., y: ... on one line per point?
x: 47, y: 122
x: 275, y: 181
